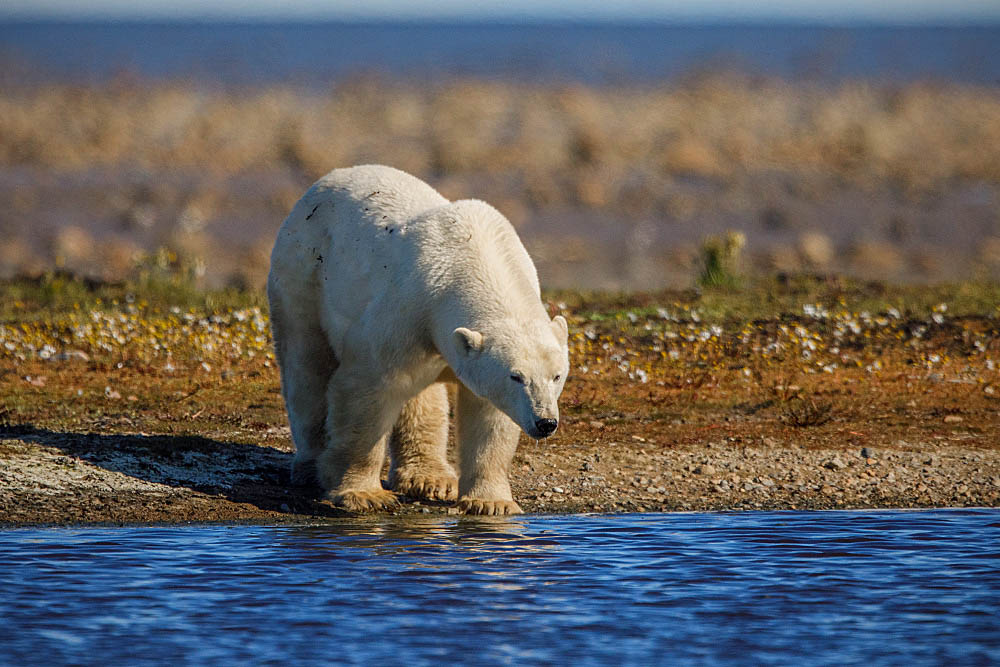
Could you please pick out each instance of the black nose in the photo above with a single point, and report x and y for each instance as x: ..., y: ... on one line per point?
x: 546, y: 426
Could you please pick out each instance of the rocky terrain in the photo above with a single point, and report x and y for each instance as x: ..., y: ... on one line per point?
x: 122, y: 406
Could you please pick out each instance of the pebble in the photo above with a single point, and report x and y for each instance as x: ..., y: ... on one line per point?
x: 70, y: 355
x: 705, y: 469
x: 835, y: 464
x: 867, y: 453
x: 952, y: 419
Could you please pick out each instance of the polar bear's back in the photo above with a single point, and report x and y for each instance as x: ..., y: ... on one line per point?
x: 394, y: 193
x: 342, y: 247
x: 368, y: 239
x: 336, y: 219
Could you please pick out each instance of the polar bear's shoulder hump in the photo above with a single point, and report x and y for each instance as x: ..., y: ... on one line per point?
x: 365, y: 180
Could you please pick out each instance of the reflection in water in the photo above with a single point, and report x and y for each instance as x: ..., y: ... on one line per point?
x: 388, y: 532
x: 844, y: 587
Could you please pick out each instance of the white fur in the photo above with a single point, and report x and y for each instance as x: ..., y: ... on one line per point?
x: 380, y: 289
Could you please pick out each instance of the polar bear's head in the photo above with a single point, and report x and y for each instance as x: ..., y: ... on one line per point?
x: 520, y: 368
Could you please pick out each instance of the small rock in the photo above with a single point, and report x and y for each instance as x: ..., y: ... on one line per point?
x: 705, y: 469
x: 638, y: 438
x: 835, y: 464
x: 587, y: 467
x: 453, y: 510
x: 71, y: 355
x: 867, y: 453
x: 558, y: 489
x: 596, y: 424
x: 425, y: 510
x: 952, y: 419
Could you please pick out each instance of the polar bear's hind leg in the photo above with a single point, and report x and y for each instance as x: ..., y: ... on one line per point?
x: 307, y: 363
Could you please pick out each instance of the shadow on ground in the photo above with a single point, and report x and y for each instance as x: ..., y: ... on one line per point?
x: 238, y: 472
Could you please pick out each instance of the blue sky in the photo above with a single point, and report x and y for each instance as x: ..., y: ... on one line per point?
x: 892, y: 11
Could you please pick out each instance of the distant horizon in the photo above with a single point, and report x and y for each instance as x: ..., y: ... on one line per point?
x: 850, y: 13
x: 446, y: 21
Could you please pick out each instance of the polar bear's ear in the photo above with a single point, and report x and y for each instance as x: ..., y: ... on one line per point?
x: 560, y: 328
x: 468, y: 342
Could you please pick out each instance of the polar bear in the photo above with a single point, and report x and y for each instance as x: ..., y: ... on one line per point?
x: 381, y: 290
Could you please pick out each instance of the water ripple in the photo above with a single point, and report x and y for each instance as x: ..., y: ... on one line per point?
x: 788, y: 587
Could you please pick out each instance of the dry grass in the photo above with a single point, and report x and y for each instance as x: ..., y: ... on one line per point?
x: 807, y: 412
x: 574, y: 145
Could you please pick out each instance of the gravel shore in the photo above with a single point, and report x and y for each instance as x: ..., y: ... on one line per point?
x: 50, y: 478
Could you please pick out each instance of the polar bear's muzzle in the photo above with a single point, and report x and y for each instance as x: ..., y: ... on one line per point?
x: 542, y: 428
x: 545, y: 428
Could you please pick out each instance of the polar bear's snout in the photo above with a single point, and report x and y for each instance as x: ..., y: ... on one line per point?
x: 546, y: 427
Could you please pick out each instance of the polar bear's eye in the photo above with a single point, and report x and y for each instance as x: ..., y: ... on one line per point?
x: 556, y: 378
x: 517, y: 378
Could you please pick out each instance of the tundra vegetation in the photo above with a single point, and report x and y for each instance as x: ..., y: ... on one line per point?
x: 153, y: 400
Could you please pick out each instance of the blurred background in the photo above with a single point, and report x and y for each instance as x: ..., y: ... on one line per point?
x: 627, y: 142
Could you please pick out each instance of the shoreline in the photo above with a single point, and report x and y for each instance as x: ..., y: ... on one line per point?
x: 65, y: 480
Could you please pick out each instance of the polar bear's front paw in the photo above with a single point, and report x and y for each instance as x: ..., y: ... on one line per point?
x: 365, y: 501
x: 441, y: 485
x: 488, y: 507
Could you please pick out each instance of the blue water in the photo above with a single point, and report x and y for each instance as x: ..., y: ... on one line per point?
x: 318, y: 52
x: 833, y: 588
